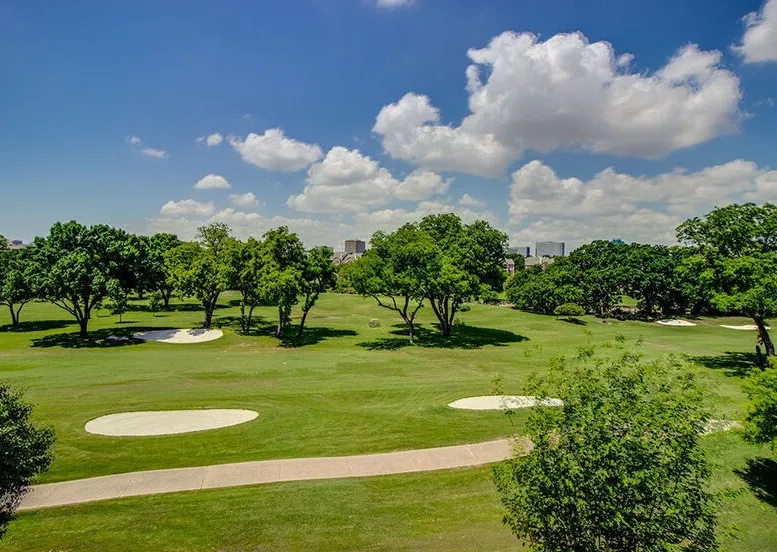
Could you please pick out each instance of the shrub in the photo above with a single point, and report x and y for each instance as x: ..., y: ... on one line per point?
x: 569, y: 311
x: 25, y: 452
x: 374, y: 323
x: 619, y: 467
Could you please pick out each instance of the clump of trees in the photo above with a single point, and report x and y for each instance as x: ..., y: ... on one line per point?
x: 80, y: 268
x: 25, y: 452
x: 618, y: 467
x: 726, y: 265
x: 438, y: 261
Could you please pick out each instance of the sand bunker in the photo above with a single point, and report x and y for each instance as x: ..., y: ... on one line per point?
x: 749, y: 327
x: 682, y: 323
x: 180, y: 336
x: 502, y: 402
x: 715, y: 426
x: 167, y: 422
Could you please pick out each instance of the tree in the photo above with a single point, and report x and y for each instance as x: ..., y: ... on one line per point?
x: 318, y: 275
x: 739, y: 243
x: 117, y: 296
x: 15, y: 280
x: 203, y: 269
x: 467, y: 262
x: 569, y: 311
x: 542, y: 290
x: 280, y: 284
x: 158, y: 276
x: 247, y: 267
x: 619, y: 467
x: 74, y: 265
x: 761, y: 427
x: 651, y: 277
x: 393, y: 271
x: 25, y: 452
x: 601, y: 266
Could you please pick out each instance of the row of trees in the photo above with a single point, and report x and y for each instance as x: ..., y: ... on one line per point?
x: 726, y: 265
x: 78, y: 268
x: 438, y: 261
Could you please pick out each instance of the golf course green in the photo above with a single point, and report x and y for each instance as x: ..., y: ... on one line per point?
x: 344, y: 388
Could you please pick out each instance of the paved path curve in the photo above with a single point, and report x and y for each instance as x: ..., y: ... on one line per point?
x: 264, y: 471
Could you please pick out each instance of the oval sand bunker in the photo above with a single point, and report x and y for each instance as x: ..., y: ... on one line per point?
x: 745, y: 327
x: 502, y: 402
x: 167, y: 422
x: 180, y: 336
x: 679, y: 323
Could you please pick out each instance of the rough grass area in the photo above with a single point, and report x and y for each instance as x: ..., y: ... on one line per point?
x: 346, y: 388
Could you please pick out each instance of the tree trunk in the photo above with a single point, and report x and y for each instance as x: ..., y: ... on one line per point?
x: 764, y: 335
x: 302, y: 323
x: 279, y: 329
x: 410, y: 330
x: 83, y: 324
x: 166, y: 293
x: 208, y: 316
x: 14, y: 317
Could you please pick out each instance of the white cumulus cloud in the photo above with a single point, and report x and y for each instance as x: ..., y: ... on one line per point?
x: 187, y: 207
x: 211, y: 139
x: 759, y: 43
x: 274, y: 151
x: 212, y: 182
x: 247, y: 199
x: 153, y: 152
x: 565, y: 92
x: 349, y: 181
x: 618, y: 205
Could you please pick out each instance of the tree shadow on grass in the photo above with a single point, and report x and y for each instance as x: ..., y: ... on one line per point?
x: 310, y: 335
x: 760, y: 474
x: 462, y: 337
x: 575, y: 321
x: 97, y: 339
x: 37, y: 326
x: 733, y: 363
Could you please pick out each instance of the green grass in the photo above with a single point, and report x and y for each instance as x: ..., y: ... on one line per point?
x: 346, y: 389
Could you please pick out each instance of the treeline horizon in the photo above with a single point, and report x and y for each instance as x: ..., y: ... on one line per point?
x: 726, y: 263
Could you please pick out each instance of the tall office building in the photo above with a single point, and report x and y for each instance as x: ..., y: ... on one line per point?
x: 549, y: 249
x: 522, y: 251
x: 355, y: 246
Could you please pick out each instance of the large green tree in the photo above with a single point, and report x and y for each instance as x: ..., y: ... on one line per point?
x: 601, y: 269
x: 25, y: 452
x: 467, y: 262
x: 739, y: 245
x: 393, y: 271
x: 73, y: 266
x: 651, y: 277
x: 542, y: 290
x: 203, y: 269
x: 15, y: 280
x: 247, y: 267
x: 281, y: 281
x: 619, y: 467
x: 318, y: 275
x: 156, y: 272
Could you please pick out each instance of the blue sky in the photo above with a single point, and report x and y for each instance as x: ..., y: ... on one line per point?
x: 653, y: 112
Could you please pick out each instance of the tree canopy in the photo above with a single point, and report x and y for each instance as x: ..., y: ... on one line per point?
x: 739, y: 246
x: 15, y: 280
x: 25, y: 451
x: 74, y: 265
x: 618, y: 467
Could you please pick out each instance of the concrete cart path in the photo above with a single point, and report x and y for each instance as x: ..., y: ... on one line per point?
x: 264, y: 471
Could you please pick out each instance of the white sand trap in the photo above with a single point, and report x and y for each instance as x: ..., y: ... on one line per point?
x: 681, y: 323
x: 502, y: 402
x: 715, y: 426
x: 180, y: 336
x: 748, y: 327
x: 167, y: 422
